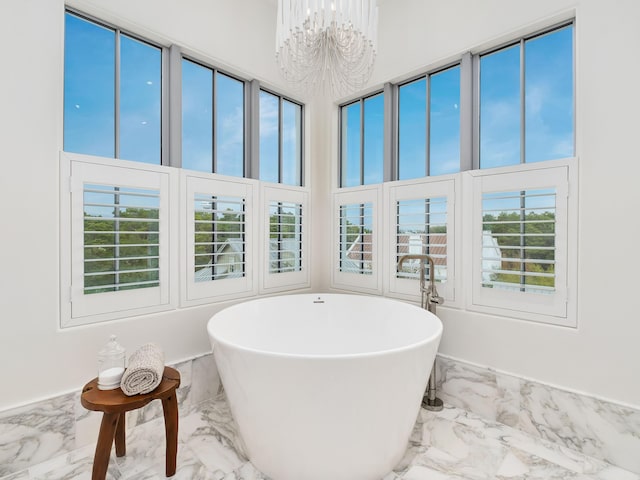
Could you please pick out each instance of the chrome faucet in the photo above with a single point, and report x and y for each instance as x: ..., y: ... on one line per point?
x: 430, y: 297
x: 429, y: 300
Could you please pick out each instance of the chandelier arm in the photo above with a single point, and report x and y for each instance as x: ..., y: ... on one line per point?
x: 328, y: 44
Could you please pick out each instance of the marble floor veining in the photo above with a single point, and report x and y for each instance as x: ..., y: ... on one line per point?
x: 447, y: 445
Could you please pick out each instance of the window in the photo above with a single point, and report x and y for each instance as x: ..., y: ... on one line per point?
x: 421, y: 228
x: 362, y: 141
x: 219, y: 238
x: 213, y: 119
x: 112, y: 93
x: 422, y: 213
x: 125, y: 224
x: 521, y: 237
x: 356, y: 238
x: 280, y: 139
x: 429, y: 130
x: 518, y: 240
x: 526, y: 100
x: 285, y: 237
x: 121, y: 238
x: 495, y: 130
x: 117, y: 240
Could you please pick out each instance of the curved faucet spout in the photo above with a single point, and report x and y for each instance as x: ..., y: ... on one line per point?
x: 432, y: 298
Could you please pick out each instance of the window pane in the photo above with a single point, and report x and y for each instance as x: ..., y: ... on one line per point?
x: 412, y: 130
x: 285, y: 237
x: 444, y: 122
x: 229, y: 126
x: 140, y: 101
x: 421, y: 229
x: 500, y: 108
x: 269, y: 133
x: 373, y: 139
x: 356, y: 238
x: 197, y: 117
x: 219, y: 239
x: 291, y: 143
x: 350, y: 148
x: 549, y: 96
x: 89, y: 88
x: 121, y: 238
x: 518, y: 240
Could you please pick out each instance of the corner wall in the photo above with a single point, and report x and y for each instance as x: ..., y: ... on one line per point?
x: 601, y: 355
x: 42, y: 361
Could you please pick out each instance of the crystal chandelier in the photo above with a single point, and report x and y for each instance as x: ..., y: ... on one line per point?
x: 327, y: 43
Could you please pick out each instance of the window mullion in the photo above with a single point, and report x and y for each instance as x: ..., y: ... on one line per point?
x: 252, y: 132
x: 214, y: 115
x: 475, y: 114
x: 390, y: 157
x: 522, y: 103
x: 362, y: 141
x: 427, y: 122
x: 280, y: 125
x: 172, y: 143
x: 116, y: 116
x: 466, y: 112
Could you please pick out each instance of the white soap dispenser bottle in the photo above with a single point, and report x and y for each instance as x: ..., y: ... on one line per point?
x: 110, y: 365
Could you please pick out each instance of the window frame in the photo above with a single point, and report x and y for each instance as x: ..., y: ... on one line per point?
x: 440, y: 186
x: 352, y: 281
x: 198, y: 293
x: 427, y: 76
x: 464, y: 184
x: 174, y: 287
x: 75, y: 169
x: 164, y: 87
x: 176, y: 93
x: 559, y: 308
x: 256, y: 138
x: 341, y: 160
x: 284, y: 281
x: 475, y: 165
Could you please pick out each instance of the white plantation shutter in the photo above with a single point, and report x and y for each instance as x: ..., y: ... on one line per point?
x: 219, y: 238
x: 357, y: 239
x: 518, y: 240
x: 422, y: 217
x: 119, y: 240
x: 520, y: 234
x: 285, y: 238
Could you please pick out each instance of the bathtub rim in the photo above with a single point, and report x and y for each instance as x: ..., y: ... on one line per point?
x: 363, y: 355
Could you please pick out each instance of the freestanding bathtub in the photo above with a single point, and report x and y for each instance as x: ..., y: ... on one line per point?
x: 324, y: 387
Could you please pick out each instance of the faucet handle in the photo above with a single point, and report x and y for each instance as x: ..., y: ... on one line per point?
x: 436, y: 299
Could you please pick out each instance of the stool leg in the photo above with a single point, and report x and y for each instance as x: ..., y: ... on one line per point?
x: 103, y: 448
x: 170, y: 408
x: 121, y: 446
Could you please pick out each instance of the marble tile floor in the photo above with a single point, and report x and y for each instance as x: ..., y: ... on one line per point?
x: 448, y: 445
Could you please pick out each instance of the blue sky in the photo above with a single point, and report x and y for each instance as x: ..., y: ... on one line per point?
x: 89, y: 118
x: 89, y: 113
x: 548, y: 87
x: 89, y: 94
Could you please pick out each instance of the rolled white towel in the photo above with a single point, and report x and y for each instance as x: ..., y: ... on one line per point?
x: 144, y: 373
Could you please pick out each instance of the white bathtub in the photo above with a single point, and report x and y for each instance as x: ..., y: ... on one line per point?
x: 324, y: 387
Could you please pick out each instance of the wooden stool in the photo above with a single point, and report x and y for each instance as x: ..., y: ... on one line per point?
x: 114, y: 404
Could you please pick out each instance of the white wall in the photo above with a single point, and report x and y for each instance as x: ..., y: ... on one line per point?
x: 40, y: 359
x: 600, y: 356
